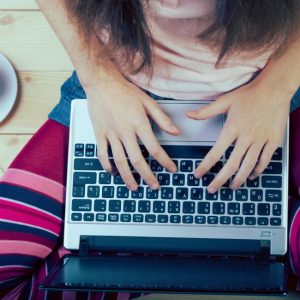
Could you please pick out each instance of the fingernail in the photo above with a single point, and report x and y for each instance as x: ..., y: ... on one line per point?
x: 198, y: 174
x: 173, y: 169
x: 251, y: 177
x: 211, y: 189
x: 154, y: 186
x: 133, y: 187
x: 173, y: 128
x: 233, y: 186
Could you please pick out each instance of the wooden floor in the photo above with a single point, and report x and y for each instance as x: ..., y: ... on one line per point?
x: 41, y: 64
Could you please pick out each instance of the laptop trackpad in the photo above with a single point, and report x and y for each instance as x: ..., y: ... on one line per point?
x: 191, y: 130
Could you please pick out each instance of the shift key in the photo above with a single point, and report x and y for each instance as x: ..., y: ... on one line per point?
x: 82, y: 178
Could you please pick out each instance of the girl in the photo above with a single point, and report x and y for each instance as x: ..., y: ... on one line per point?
x: 243, y: 54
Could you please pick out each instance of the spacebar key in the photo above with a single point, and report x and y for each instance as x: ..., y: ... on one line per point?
x: 186, y: 151
x: 87, y: 164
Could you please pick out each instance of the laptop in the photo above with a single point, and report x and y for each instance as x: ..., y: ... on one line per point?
x: 177, y: 239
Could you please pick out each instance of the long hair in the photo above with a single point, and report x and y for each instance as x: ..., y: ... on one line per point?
x: 253, y: 26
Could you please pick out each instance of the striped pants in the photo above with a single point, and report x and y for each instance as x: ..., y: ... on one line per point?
x: 32, y: 211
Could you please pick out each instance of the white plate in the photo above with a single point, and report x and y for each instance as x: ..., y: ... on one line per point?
x: 8, y: 87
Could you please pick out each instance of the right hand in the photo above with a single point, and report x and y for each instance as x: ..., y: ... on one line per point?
x: 119, y: 114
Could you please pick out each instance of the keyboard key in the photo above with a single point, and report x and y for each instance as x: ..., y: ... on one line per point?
x: 271, y: 181
x: 79, y: 150
x: 76, y: 217
x: 203, y: 208
x: 192, y: 180
x: 277, y: 155
x: 113, y: 217
x: 237, y: 221
x: 188, y: 219
x: 138, y: 218
x: 200, y: 219
x: 241, y: 195
x: 209, y: 196
x: 207, y: 179
x: 228, y: 152
x: 82, y: 178
x: 248, y: 209
x: 93, y: 191
x: 212, y: 220
x: 273, y: 195
x: 225, y: 220
x: 188, y: 207
x: 144, y: 206
x: 186, y: 166
x: 155, y: 166
x: 137, y: 178
x: 217, y: 167
x: 218, y: 208
x: 166, y: 193
x: 79, y: 146
x: 174, y: 207
x: 276, y: 209
x: 159, y: 206
x: 263, y: 209
x: 197, y: 163
x: 262, y: 221
x: 163, y: 179
x: 92, y: 164
x: 196, y: 193
x: 81, y: 205
x: 100, y: 205
x: 138, y: 194
x: 178, y: 179
x: 129, y: 206
x: 253, y: 183
x: 250, y: 221
x: 233, y: 208
x: 151, y: 194
x: 226, y: 194
x: 175, y: 219
x: 275, y: 221
x: 256, y: 195
x: 108, y: 192
x: 273, y: 168
x: 122, y: 192
x: 182, y: 193
x: 89, y: 150
x: 162, y: 219
x: 100, y: 217
x: 187, y: 152
x: 118, y: 180
x: 114, y: 206
x: 88, y: 217
x: 150, y: 218
x: 78, y: 191
x: 104, y: 178
x: 125, y: 218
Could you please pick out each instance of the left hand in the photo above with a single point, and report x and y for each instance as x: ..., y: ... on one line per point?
x: 256, y: 120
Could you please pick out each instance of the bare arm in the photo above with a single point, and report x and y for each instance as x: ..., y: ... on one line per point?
x: 119, y: 110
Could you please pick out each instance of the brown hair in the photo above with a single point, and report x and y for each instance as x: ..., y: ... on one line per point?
x: 239, y: 25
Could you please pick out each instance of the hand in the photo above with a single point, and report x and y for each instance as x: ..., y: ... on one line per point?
x: 119, y: 114
x: 255, y: 124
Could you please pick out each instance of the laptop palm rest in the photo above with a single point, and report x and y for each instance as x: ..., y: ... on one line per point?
x: 167, y: 274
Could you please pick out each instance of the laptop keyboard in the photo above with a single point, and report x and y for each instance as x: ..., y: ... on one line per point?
x: 99, y: 197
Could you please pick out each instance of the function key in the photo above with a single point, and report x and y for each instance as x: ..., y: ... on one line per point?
x: 277, y: 155
x: 155, y: 166
x: 178, y: 179
x: 100, y: 205
x: 273, y: 168
x: 81, y: 205
x: 76, y: 217
x: 93, y: 191
x: 89, y: 150
x: 253, y: 183
x: 79, y: 150
x: 273, y: 195
x: 186, y: 166
x: 78, y: 191
x: 88, y: 217
x: 271, y: 181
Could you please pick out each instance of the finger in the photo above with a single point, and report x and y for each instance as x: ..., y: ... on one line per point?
x: 121, y: 162
x: 138, y: 161
x: 247, y: 165
x: 159, y: 117
x: 226, y: 138
x: 215, y: 108
x: 154, y: 148
x: 231, y: 166
x: 102, y: 152
x: 264, y: 159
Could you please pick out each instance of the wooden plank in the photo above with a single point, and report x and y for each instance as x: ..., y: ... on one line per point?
x: 10, y: 147
x: 29, y: 42
x: 18, y: 4
x: 38, y: 94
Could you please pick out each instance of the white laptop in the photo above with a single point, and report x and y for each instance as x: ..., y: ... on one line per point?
x: 179, y: 238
